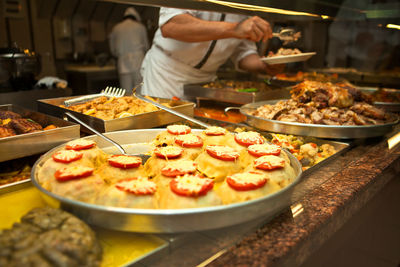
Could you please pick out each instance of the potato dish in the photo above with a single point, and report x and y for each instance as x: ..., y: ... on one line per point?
x: 185, y: 170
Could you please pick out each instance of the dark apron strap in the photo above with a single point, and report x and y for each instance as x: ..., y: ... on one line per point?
x: 210, y: 49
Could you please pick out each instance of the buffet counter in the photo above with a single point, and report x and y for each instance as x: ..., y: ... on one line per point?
x: 323, y: 203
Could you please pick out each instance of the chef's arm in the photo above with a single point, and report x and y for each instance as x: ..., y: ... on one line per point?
x: 186, y: 28
x: 252, y: 63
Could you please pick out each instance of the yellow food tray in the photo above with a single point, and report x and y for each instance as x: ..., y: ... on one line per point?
x: 119, y: 248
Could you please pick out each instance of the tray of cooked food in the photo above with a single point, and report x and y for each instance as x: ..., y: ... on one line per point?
x: 386, y: 98
x: 310, y: 151
x: 323, y: 110
x: 287, y: 55
x: 231, y: 91
x: 34, y: 234
x: 194, y: 179
x: 24, y: 132
x: 290, y: 79
x: 117, y: 113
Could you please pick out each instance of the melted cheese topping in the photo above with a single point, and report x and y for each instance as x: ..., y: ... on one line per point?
x: 139, y: 185
x: 80, y: 142
x: 253, y: 177
x: 189, y: 139
x: 250, y: 137
x: 223, y: 151
x: 74, y: 170
x: 192, y: 183
x: 215, y: 130
x: 179, y: 129
x: 181, y: 166
x: 264, y: 148
x: 125, y: 159
x: 67, y: 154
x: 272, y: 160
x: 169, y: 150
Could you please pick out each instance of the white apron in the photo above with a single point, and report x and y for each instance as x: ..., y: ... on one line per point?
x: 161, y: 71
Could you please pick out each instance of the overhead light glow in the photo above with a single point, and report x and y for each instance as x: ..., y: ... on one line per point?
x: 393, y: 26
x: 262, y: 9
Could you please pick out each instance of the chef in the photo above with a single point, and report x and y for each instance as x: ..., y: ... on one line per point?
x: 189, y: 47
x: 129, y: 43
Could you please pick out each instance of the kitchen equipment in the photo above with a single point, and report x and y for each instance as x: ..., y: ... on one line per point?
x: 108, y: 92
x: 143, y: 120
x: 316, y: 130
x: 287, y: 35
x: 18, y: 68
x: 22, y: 145
x: 166, y: 220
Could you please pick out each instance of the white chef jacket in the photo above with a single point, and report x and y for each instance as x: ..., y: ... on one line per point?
x: 128, y: 42
x: 169, y: 64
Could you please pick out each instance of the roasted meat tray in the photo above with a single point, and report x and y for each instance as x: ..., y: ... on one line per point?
x: 236, y: 92
x: 31, y: 143
x: 144, y: 120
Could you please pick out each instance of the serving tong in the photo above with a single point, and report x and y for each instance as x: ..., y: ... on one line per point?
x: 108, y: 92
x: 287, y: 35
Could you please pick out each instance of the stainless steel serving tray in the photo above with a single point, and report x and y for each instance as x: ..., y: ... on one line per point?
x: 139, y: 121
x: 316, y: 130
x: 166, y: 221
x: 230, y: 95
x: 389, y: 106
x: 23, y: 145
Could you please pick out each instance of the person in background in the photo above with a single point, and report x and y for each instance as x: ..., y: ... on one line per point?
x: 129, y: 42
x: 189, y: 47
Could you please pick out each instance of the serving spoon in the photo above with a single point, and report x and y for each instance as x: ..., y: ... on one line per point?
x: 144, y: 157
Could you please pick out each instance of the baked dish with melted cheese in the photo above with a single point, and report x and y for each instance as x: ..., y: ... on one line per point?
x: 185, y: 170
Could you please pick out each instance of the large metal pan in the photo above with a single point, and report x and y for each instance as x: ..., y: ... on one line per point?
x: 316, y: 130
x: 166, y: 221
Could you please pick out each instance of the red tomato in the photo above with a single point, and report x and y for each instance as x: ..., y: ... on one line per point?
x: 191, y: 186
x: 168, y: 152
x: 215, y: 131
x: 137, y: 186
x: 248, y: 138
x: 66, y: 156
x: 179, y: 168
x: 178, y: 129
x: 246, y: 181
x: 175, y: 98
x: 222, y: 152
x: 124, y: 161
x: 264, y: 149
x: 80, y: 144
x: 72, y: 173
x: 189, y: 141
x: 313, y: 145
x: 269, y: 162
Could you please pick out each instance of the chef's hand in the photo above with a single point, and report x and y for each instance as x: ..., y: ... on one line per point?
x: 254, y: 29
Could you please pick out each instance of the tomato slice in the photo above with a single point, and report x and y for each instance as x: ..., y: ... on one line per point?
x: 191, y: 185
x: 67, y: 156
x: 179, y: 168
x: 80, y: 144
x: 178, y: 129
x: 215, y: 131
x: 137, y: 186
x: 124, y: 161
x: 222, y: 152
x: 264, y: 149
x: 246, y: 181
x: 72, y: 173
x: 269, y: 162
x: 168, y: 152
x: 189, y: 141
x: 248, y: 138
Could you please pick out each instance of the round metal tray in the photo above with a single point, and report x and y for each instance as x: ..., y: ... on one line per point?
x: 165, y: 220
x: 316, y: 130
